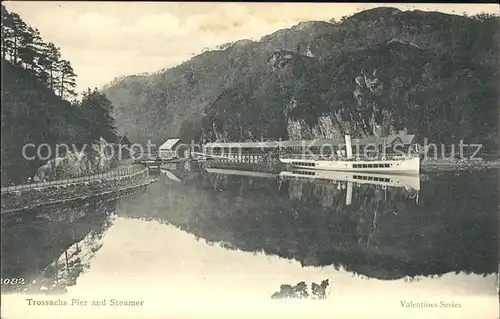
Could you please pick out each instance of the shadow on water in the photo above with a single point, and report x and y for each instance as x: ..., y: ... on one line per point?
x: 385, y: 232
x: 371, y: 225
x: 47, y: 248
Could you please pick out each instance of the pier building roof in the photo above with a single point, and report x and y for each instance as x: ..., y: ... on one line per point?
x: 169, y: 144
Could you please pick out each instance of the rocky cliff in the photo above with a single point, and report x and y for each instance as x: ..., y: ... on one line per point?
x: 95, y: 159
x: 376, y: 72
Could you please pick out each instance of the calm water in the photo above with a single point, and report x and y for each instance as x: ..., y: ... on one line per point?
x: 223, y: 235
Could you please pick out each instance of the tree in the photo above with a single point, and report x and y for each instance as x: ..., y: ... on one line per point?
x: 41, y: 48
x: 22, y: 45
x: 35, y: 84
x: 18, y: 31
x: 51, y: 62
x: 67, y: 80
x: 7, y: 34
x: 27, y: 50
x: 97, y: 108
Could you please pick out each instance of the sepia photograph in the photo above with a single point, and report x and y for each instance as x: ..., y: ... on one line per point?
x: 249, y: 160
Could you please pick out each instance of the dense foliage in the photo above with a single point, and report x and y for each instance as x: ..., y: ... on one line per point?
x: 383, y: 233
x: 376, y: 72
x: 36, y: 86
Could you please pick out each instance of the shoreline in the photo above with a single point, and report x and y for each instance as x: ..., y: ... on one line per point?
x: 457, y: 165
x: 83, y: 197
x: 426, y: 165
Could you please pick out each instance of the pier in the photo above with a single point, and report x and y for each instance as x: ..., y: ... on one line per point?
x: 271, y: 151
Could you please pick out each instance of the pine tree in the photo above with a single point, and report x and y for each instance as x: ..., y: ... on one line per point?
x: 7, y: 34
x: 19, y: 29
x: 67, y: 80
x: 41, y: 49
x: 27, y: 50
x: 22, y: 45
x: 50, y: 62
x: 37, y: 86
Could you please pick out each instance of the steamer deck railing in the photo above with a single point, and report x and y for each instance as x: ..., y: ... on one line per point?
x: 355, y: 158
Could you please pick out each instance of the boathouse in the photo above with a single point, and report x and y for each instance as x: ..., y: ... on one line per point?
x: 168, y: 150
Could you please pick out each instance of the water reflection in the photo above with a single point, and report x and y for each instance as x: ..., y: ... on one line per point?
x: 369, y: 225
x: 375, y: 226
x: 47, y: 248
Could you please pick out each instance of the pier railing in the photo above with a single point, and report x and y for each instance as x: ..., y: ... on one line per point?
x: 109, y: 175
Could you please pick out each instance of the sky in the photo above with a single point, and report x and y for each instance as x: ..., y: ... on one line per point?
x: 105, y: 40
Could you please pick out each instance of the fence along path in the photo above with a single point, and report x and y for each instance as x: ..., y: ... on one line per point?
x: 120, y: 172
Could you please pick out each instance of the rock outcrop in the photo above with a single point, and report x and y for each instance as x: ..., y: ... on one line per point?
x: 98, y: 158
x: 326, y: 126
x: 373, y: 73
